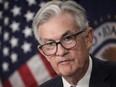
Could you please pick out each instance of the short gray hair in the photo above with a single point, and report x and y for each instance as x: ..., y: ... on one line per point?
x: 53, y: 8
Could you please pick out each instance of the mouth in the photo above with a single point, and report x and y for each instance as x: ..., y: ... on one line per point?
x: 65, y: 62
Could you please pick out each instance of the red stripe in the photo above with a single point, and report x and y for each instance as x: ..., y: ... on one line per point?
x: 48, y: 66
x: 27, y: 76
x: 7, y: 84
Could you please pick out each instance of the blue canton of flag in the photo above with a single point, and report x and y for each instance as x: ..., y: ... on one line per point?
x: 21, y: 65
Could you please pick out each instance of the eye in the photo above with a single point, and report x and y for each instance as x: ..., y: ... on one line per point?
x: 50, y: 45
x: 68, y: 38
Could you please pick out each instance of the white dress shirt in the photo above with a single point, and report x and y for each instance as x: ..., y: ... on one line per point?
x: 84, y: 82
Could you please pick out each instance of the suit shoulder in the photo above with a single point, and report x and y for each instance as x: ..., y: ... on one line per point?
x: 110, y: 66
x: 103, y: 71
x: 112, y: 71
x: 52, y: 82
x: 107, y: 64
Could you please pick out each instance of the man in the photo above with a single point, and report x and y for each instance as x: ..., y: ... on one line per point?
x: 61, y: 28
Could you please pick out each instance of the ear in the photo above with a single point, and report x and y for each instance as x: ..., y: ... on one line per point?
x: 89, y: 37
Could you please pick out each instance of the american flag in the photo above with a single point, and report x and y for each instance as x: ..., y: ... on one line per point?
x: 21, y: 65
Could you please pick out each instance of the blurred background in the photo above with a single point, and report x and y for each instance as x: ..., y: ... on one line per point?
x: 21, y: 64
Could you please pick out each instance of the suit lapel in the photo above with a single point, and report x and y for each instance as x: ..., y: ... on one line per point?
x: 100, y: 75
x: 58, y: 82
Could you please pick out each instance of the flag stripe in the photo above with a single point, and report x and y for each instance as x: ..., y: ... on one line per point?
x: 7, y: 84
x: 27, y: 77
x: 38, y: 69
x: 0, y: 83
x: 16, y: 80
x: 21, y: 65
x: 48, y: 66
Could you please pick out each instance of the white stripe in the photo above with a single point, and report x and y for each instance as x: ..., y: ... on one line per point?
x: 0, y: 83
x: 38, y: 69
x: 16, y: 80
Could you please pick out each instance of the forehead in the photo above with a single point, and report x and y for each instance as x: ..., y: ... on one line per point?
x: 57, y: 26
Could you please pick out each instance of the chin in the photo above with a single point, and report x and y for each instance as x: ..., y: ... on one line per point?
x: 66, y: 73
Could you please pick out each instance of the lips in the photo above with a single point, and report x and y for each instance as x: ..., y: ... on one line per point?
x: 65, y: 62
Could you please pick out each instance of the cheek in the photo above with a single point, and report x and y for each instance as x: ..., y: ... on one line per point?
x: 79, y: 53
x: 82, y: 46
x: 53, y: 63
x: 79, y: 61
x: 78, y: 58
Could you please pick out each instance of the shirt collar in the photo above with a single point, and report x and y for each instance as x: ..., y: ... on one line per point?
x: 84, y: 82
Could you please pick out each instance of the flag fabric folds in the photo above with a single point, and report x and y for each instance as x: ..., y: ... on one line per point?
x: 21, y: 64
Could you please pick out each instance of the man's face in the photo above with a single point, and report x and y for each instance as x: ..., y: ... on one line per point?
x: 66, y: 62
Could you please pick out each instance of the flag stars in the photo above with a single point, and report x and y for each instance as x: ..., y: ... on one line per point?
x: 1, y: 14
x: 1, y: 1
x: 6, y: 20
x: 0, y: 46
x: 42, y: 4
x: 29, y: 16
x: 14, y: 57
x: 0, y: 30
x: 5, y: 51
x: 14, y: 42
x: 31, y: 2
x: 14, y: 26
x: 6, y: 36
x: 6, y: 5
x: 27, y: 32
x: 26, y: 47
x: 5, y: 66
x: 16, y: 11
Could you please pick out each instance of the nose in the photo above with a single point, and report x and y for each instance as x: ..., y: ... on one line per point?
x: 61, y: 51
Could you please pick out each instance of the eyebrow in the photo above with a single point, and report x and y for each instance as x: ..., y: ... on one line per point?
x: 69, y: 32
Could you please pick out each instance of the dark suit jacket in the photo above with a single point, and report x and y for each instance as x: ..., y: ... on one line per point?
x: 103, y: 75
